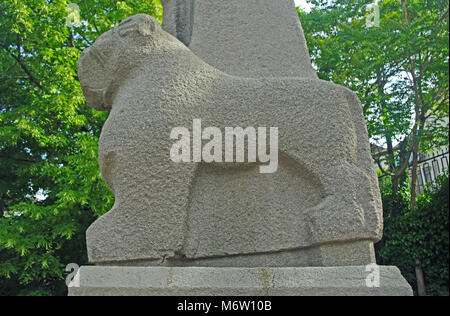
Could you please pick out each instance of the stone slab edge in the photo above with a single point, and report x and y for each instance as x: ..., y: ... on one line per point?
x: 183, y: 281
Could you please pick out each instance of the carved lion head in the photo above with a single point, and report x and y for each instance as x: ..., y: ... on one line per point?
x: 107, y: 62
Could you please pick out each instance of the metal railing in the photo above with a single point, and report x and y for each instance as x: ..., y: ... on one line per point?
x: 429, y: 168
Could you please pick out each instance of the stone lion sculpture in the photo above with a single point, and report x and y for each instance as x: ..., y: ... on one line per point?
x: 322, y: 207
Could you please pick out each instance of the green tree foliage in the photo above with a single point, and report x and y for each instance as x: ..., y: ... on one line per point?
x: 50, y: 185
x: 399, y: 70
x: 421, y: 233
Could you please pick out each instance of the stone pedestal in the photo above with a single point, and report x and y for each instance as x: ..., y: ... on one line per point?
x: 182, y: 281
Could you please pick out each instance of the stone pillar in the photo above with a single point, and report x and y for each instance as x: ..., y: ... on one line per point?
x: 251, y: 38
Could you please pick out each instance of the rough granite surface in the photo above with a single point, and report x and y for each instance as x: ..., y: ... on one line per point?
x: 251, y: 38
x: 323, y: 204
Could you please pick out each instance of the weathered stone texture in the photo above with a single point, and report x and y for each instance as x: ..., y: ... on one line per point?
x: 325, y: 190
x: 162, y: 281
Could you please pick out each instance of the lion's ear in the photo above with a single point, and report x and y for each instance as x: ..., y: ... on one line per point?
x: 144, y: 24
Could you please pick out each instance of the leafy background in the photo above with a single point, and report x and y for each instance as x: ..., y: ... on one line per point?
x: 48, y: 140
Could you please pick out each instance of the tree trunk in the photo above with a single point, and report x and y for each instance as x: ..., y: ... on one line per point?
x: 421, y: 289
x: 415, y: 166
x: 395, y: 184
x: 391, y: 164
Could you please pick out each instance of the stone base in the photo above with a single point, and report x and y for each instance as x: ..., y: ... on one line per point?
x: 183, y: 281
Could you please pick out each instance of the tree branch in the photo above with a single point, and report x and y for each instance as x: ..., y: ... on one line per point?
x: 29, y: 160
x: 22, y: 65
x: 381, y: 168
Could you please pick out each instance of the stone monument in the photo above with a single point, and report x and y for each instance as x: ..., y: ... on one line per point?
x: 198, y: 228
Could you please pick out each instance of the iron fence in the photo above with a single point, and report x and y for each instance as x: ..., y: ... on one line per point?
x: 429, y: 168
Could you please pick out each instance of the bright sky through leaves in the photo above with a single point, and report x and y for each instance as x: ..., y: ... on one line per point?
x: 303, y: 4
